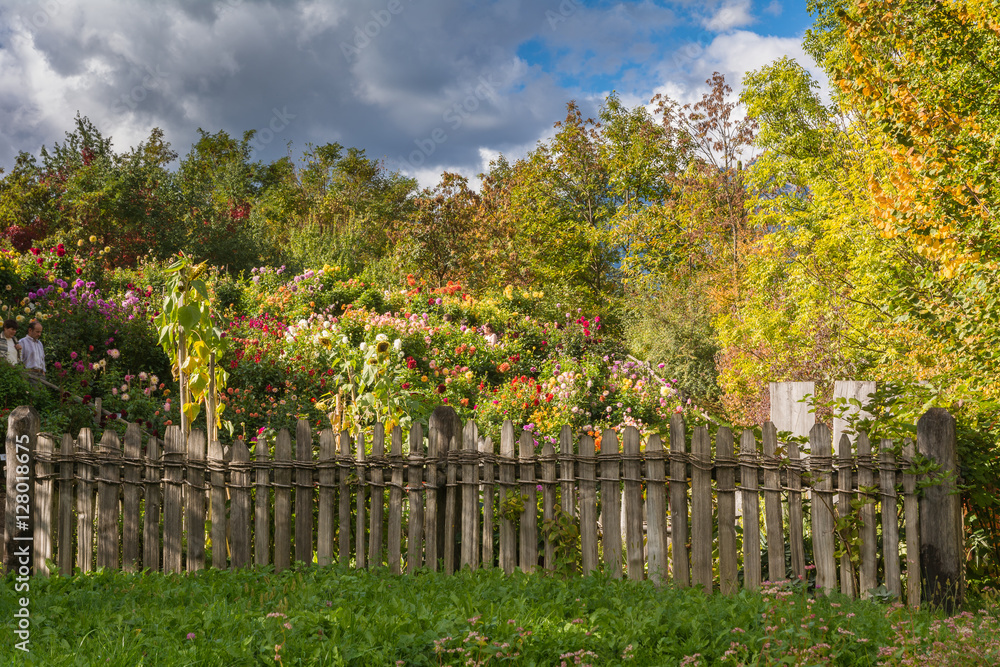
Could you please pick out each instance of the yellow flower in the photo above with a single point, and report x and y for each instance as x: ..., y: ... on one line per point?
x: 508, y: 291
x: 79, y: 243
x: 93, y: 239
x: 107, y: 248
x: 423, y: 378
x: 468, y: 375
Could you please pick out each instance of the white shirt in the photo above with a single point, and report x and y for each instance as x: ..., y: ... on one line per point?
x: 33, y: 354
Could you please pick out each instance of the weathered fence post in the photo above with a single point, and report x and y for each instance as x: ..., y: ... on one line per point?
x: 751, y: 510
x: 726, y: 481
x: 131, y: 497
x: 194, y: 523
x: 108, y: 487
x: 489, y: 474
x: 941, y: 547
x: 611, y: 511
x: 304, y: 493
x: 327, y: 490
x: 262, y: 505
x: 44, y: 486
x: 151, y: 519
x: 282, y: 501
x: 701, y: 509
x: 678, y: 502
x: 377, y: 498
x: 656, y: 510
x: 85, y: 503
x: 361, y: 521
x: 508, y: 538
x: 22, y: 438
x: 415, y: 486
x: 470, y: 497
x: 173, y: 481
x: 528, y: 552
x: 344, y: 499
x: 632, y: 475
x: 395, y: 499
x: 774, y: 527
x: 217, y: 504
x: 588, y: 504
x: 821, y: 466
x: 239, y: 514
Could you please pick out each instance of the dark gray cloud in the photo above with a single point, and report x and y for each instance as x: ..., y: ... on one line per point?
x: 426, y: 84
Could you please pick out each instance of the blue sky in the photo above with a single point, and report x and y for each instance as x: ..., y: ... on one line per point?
x: 426, y: 85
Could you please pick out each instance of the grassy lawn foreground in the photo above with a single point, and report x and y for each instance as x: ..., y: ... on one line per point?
x: 334, y: 616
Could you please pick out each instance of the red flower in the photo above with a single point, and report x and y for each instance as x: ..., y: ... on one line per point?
x: 79, y: 271
x: 405, y: 385
x: 440, y: 389
x: 411, y: 363
x: 548, y: 398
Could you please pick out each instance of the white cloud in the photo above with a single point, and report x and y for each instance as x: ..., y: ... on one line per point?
x: 732, y: 14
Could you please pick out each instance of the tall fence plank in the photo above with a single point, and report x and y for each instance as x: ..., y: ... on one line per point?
x: 64, y: 546
x: 678, y: 502
x: 131, y: 499
x: 701, y: 509
x: 194, y: 501
x: 217, y: 473
x: 174, y: 454
x: 282, y: 501
x: 588, y: 504
x: 470, y: 496
x: 890, y: 518
x: 548, y: 483
x: 632, y: 475
x: 415, y: 482
x: 868, y: 574
x: 303, y: 493
x: 528, y: 553
x: 911, y: 521
x: 44, y: 486
x: 726, y: 483
x: 845, y: 482
x: 821, y: 466
x: 360, y: 501
x: 796, y: 531
x: 20, y: 518
x: 435, y: 444
x: 451, y: 445
x: 751, y: 511
x: 774, y: 527
x: 396, y: 500
x: 262, y: 506
x: 239, y: 515
x: 567, y: 482
x: 344, y: 499
x: 656, y: 510
x: 942, y: 546
x: 508, y: 492
x: 327, y: 490
x: 377, y: 512
x: 489, y: 500
x: 611, y: 511
x: 85, y: 504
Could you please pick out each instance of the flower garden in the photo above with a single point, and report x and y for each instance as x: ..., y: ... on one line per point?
x: 327, y: 347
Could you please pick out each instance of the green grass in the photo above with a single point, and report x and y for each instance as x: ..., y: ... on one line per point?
x: 335, y: 616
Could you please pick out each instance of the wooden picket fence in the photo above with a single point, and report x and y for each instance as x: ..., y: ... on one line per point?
x: 456, y: 503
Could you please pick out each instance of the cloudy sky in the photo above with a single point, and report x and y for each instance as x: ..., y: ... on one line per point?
x: 426, y: 85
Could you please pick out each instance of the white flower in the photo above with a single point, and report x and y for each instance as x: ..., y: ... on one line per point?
x: 124, y: 397
x: 364, y: 346
x: 381, y: 337
x: 397, y: 344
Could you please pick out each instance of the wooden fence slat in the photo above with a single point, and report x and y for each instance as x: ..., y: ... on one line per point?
x: 44, y: 486
x: 726, y: 484
x: 508, y: 538
x: 151, y: 547
x: 239, y: 515
x: 890, y: 518
x: 217, y: 473
x: 131, y: 499
x: 344, y: 498
x: 64, y: 546
x: 632, y: 473
x: 282, y: 501
x: 701, y: 509
x: 567, y: 483
x: 774, y: 527
x: 85, y: 505
x: 611, y: 509
x: 470, y: 496
x: 656, y: 510
x: 327, y: 491
x: 360, y: 501
x: 303, y: 493
x: 911, y: 522
x: 796, y: 534
x: 262, y: 506
x: 396, y: 500
x: 678, y: 502
x: 435, y: 446
x: 821, y: 466
x: 377, y: 499
x: 195, y: 501
x: 548, y: 480
x: 528, y: 553
x: 845, y: 482
x: 868, y: 578
x: 588, y: 504
x: 489, y: 500
x: 415, y: 482
x: 174, y: 449
x: 452, y: 507
x: 751, y: 511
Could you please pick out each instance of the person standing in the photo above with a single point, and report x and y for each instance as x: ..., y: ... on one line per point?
x: 10, y: 349
x: 32, y: 350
